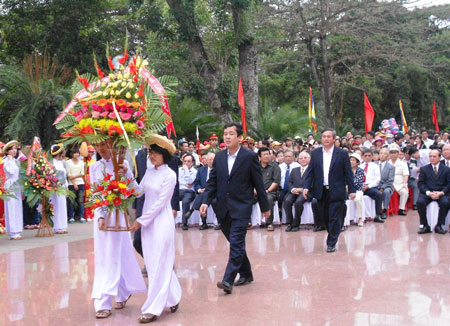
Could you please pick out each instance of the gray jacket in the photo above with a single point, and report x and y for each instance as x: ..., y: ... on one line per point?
x: 387, y: 176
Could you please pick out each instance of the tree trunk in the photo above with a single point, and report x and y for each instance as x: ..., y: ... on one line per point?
x: 183, y: 11
x: 248, y: 66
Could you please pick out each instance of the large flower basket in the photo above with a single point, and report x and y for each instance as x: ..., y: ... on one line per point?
x: 120, y: 109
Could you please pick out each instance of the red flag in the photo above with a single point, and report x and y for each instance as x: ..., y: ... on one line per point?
x: 369, y: 114
x: 241, y: 102
x: 436, y: 126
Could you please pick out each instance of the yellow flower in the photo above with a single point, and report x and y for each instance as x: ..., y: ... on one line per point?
x: 112, y: 92
x: 119, y: 76
x: 131, y: 86
x: 122, y: 185
x: 1, y: 192
x: 111, y: 76
x: 110, y: 198
x: 105, y: 93
x: 123, y: 84
x: 128, y: 95
x: 136, y: 96
x: 126, y: 75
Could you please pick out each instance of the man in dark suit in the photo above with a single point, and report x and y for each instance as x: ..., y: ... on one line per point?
x: 327, y: 175
x: 294, y: 195
x: 434, y: 185
x: 141, y: 162
x: 199, y: 187
x: 236, y: 173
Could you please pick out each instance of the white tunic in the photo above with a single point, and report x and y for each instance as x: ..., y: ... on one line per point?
x: 13, y: 206
x: 158, y: 240
x: 115, y: 259
x: 401, y: 170
x: 59, y: 201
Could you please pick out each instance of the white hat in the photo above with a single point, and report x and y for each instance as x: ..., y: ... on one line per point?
x: 356, y: 156
x: 394, y: 147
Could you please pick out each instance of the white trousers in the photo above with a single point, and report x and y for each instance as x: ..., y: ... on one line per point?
x: 105, y: 301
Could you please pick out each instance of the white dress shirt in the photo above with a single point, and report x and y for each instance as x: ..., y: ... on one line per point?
x: 428, y: 142
x: 186, y: 177
x: 326, y: 164
x: 231, y: 159
x: 367, y: 144
x: 401, y: 171
x: 283, y: 167
x: 446, y: 162
x: 373, y: 175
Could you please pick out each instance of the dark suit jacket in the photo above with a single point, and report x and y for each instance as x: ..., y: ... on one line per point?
x: 141, y: 162
x: 340, y: 175
x: 200, y: 179
x: 295, y: 180
x: 429, y: 182
x: 234, y: 191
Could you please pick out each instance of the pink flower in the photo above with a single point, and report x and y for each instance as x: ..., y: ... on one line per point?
x: 108, y: 107
x: 95, y: 114
x: 137, y: 114
x: 84, y: 109
x: 123, y: 109
x: 125, y: 116
x: 95, y: 107
x: 140, y: 124
x: 112, y: 115
x: 104, y: 114
x: 79, y: 117
x: 80, y: 112
x: 130, y: 110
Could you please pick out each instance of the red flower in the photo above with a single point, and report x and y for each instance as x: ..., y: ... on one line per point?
x: 110, y: 64
x: 108, y: 177
x: 66, y: 135
x: 114, y: 129
x: 87, y: 130
x: 84, y: 81
x: 100, y: 73
x: 117, y: 201
x: 124, y: 58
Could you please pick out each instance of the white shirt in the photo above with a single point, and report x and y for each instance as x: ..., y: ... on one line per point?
x: 231, y: 159
x: 373, y: 175
x: 428, y: 142
x: 326, y: 164
x: 367, y: 144
x: 447, y: 162
x: 186, y: 177
x: 283, y: 167
x: 302, y: 170
x: 207, y: 173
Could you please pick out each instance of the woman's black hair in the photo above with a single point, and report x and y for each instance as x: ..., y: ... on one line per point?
x: 165, y: 153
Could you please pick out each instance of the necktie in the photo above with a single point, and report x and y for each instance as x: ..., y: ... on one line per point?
x: 301, y: 172
x: 365, y: 171
x: 435, y: 171
x: 286, y: 180
x: 207, y: 174
x: 447, y: 163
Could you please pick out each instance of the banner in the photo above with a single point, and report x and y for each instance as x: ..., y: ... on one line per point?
x: 369, y: 114
x: 241, y: 102
x: 436, y: 126
x: 402, y: 115
x: 312, y: 113
x: 35, y: 147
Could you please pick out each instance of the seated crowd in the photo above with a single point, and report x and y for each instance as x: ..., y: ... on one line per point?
x: 395, y: 172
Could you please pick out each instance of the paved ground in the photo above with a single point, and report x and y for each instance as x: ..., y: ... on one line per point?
x: 382, y: 274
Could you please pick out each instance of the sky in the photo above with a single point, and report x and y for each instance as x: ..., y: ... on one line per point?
x: 427, y: 3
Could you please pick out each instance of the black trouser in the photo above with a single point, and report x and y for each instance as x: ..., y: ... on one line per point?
x: 235, y: 231
x: 186, y: 197
x: 318, y: 218
x: 137, y: 242
x: 271, y: 197
x: 281, y: 195
x: 422, y: 204
x: 291, y: 200
x: 197, y: 203
x: 333, y: 214
x: 376, y: 195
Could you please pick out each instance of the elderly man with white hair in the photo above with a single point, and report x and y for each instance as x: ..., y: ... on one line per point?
x: 446, y: 155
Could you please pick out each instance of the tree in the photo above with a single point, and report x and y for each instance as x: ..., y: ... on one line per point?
x: 31, y: 98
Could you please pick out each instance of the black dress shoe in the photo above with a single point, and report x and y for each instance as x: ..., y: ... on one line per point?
x: 401, y: 212
x: 184, y: 227
x: 295, y: 229
x: 384, y: 215
x: 188, y: 214
x: 319, y: 228
x: 424, y: 229
x: 244, y: 281
x: 378, y: 220
x: 203, y: 226
x: 439, y: 229
x: 343, y: 228
x: 225, y: 286
x: 217, y: 227
x: 288, y: 228
x: 331, y: 249
x: 414, y: 207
